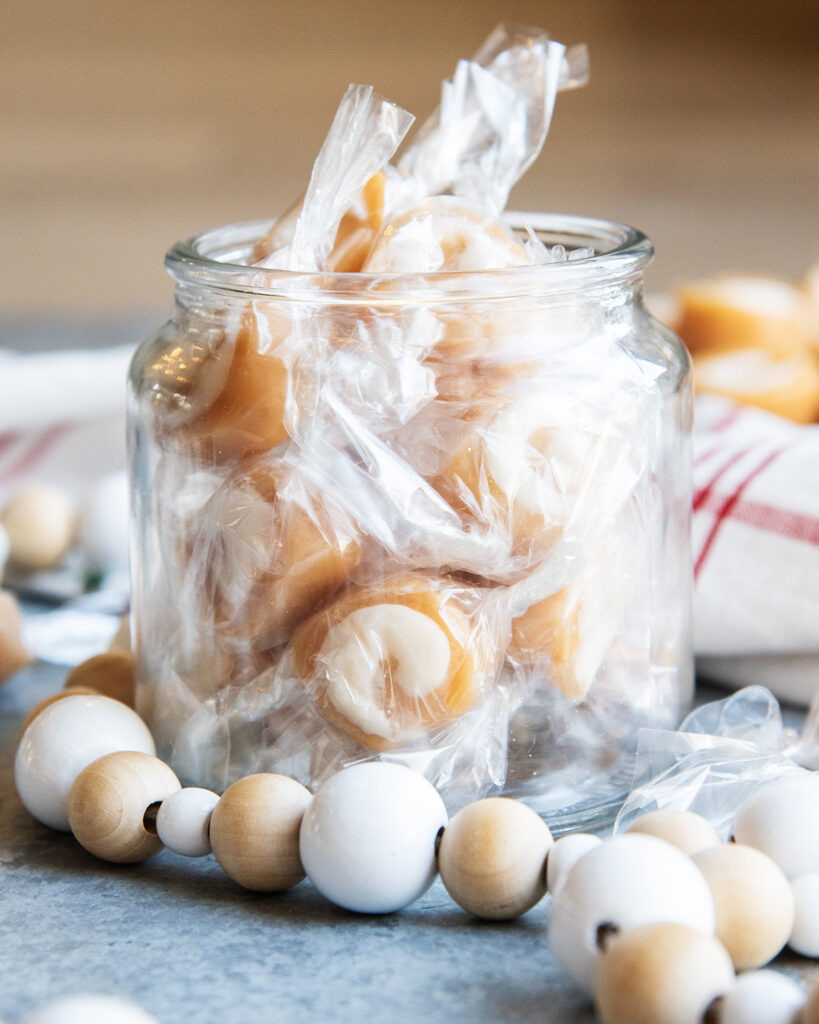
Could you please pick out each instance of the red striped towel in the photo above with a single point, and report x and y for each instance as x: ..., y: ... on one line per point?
x: 62, y: 417
x: 756, y: 549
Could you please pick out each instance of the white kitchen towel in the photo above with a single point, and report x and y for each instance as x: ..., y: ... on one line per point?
x: 756, y: 549
x: 62, y: 416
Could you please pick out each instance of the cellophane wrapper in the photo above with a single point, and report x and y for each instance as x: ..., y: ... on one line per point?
x: 439, y: 520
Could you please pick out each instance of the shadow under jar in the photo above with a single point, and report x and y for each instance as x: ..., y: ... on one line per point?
x: 441, y: 520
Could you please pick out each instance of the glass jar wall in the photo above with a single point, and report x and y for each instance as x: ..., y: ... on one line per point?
x: 440, y: 520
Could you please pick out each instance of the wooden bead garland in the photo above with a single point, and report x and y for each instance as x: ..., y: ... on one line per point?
x: 494, y: 859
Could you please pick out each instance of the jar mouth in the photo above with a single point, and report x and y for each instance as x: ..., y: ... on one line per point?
x: 211, y: 260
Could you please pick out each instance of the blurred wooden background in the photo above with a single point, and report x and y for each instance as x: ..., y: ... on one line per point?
x: 124, y: 126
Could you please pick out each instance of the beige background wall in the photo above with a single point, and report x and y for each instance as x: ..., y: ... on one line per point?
x: 124, y: 126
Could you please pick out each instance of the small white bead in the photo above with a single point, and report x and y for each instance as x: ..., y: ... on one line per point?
x: 368, y: 838
x: 90, y: 1009
x: 761, y: 997
x: 782, y: 820
x: 566, y: 852
x: 624, y: 883
x: 104, y: 523
x: 805, y: 932
x: 65, y: 738
x: 183, y: 821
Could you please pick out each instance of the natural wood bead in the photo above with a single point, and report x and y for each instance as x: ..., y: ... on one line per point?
x: 254, y: 831
x: 13, y: 654
x: 753, y: 901
x: 661, y: 974
x: 810, y: 1011
x: 108, y: 801
x: 492, y: 858
x: 111, y: 674
x: 687, y: 831
x: 77, y: 691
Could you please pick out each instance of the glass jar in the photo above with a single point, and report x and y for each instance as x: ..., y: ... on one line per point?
x: 441, y: 520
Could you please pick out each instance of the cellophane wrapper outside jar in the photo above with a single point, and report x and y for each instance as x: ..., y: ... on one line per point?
x: 441, y: 520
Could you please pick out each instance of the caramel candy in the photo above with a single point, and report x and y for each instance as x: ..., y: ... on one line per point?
x: 392, y: 660
x: 273, y: 562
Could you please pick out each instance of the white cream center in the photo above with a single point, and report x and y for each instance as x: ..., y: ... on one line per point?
x: 376, y: 644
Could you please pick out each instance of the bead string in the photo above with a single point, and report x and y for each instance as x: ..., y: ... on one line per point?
x: 653, y: 924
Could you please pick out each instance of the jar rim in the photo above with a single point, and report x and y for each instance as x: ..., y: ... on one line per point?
x: 207, y: 260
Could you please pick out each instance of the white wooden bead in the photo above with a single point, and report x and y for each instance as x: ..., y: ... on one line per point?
x: 39, y: 521
x: 782, y: 820
x: 183, y: 821
x: 624, y: 883
x: 103, y: 533
x: 566, y: 852
x: 805, y: 932
x: 661, y: 973
x: 64, y: 739
x: 761, y: 997
x: 687, y: 831
x: 90, y: 1009
x: 368, y: 837
x: 752, y: 899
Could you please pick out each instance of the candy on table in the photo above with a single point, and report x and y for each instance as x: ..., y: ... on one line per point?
x: 753, y: 902
x: 661, y: 973
x: 753, y: 339
x: 13, y: 652
x: 787, y: 385
x: 39, y: 521
x: 731, y: 312
x: 389, y: 661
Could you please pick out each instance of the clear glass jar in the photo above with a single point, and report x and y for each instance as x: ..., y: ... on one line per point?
x: 438, y: 519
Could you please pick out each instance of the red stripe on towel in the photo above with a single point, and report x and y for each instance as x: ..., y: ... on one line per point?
x: 773, y: 519
x: 39, y: 447
x: 702, y: 494
x: 730, y: 503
